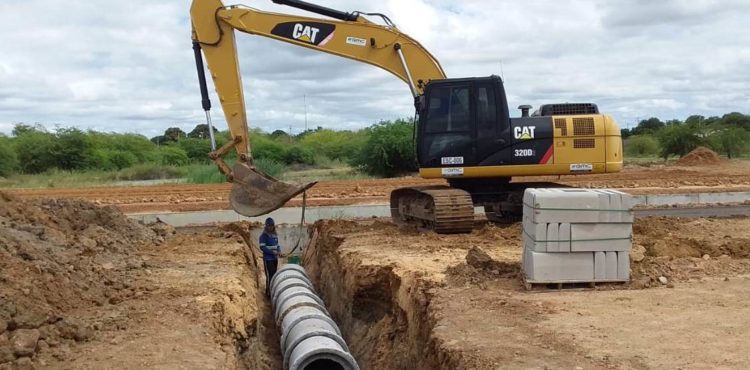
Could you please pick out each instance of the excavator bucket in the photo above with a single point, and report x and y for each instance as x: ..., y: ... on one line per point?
x: 254, y: 193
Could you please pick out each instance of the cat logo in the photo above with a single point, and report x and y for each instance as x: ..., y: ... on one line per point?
x: 524, y: 132
x: 313, y: 33
x: 305, y: 33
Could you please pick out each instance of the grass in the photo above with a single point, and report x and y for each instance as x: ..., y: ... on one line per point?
x: 79, y: 179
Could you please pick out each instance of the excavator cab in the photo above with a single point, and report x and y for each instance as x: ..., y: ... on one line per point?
x: 462, y: 121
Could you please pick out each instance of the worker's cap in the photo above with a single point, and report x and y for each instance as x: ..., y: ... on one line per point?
x: 269, y: 221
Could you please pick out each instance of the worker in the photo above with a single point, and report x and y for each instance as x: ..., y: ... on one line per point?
x: 269, y: 244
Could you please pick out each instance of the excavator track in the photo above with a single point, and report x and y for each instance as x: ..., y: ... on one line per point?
x: 441, y: 208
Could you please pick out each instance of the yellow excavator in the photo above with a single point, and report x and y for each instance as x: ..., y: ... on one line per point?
x: 464, y: 132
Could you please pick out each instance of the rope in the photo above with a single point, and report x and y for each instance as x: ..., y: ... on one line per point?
x: 301, y: 222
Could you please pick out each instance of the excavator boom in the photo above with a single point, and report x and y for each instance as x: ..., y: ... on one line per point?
x: 349, y: 35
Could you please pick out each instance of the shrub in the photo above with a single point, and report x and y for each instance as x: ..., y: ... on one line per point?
x: 641, y: 146
x: 730, y: 140
x: 388, y: 150
x: 265, y: 148
x: 205, y: 174
x: 678, y: 139
x: 173, y: 155
x: 34, y: 150
x: 270, y: 167
x: 197, y: 149
x: 298, y: 154
x: 8, y: 158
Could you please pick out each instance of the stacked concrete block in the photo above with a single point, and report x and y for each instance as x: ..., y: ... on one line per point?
x: 576, y: 235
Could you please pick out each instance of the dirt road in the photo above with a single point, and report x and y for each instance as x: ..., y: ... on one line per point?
x: 729, y: 176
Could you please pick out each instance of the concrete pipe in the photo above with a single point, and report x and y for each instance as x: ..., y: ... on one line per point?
x: 292, y: 282
x: 320, y: 353
x: 294, y: 302
x: 291, y: 293
x: 310, y: 339
x: 299, y: 314
x: 310, y: 328
x: 283, y: 275
x: 289, y: 267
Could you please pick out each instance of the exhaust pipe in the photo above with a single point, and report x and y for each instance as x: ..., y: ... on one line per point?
x: 310, y: 339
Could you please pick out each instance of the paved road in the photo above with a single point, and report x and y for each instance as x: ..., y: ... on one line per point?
x: 720, y: 211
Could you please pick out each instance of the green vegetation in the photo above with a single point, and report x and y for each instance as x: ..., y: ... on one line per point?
x: 728, y: 135
x: 35, y: 157
x: 388, y: 150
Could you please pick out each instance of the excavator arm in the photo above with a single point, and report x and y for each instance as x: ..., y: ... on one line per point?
x: 348, y: 35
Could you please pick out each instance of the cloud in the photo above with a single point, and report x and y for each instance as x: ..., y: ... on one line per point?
x: 127, y: 66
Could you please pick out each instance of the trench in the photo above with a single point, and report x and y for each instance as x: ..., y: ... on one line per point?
x: 382, y: 314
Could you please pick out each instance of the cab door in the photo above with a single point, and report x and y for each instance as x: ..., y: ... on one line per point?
x: 492, y: 128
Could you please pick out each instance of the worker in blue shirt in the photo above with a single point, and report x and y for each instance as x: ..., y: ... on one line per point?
x: 269, y: 244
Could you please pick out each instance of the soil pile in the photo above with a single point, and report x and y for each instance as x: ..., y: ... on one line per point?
x: 685, y: 249
x: 700, y: 156
x: 57, y: 256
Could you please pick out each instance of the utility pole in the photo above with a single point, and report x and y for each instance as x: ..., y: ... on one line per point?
x: 304, y: 99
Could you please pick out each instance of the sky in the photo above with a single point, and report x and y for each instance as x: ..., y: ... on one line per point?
x: 127, y: 66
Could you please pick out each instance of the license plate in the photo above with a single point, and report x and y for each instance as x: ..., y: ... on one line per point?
x: 451, y: 160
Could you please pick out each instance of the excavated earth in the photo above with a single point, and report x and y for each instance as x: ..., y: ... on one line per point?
x: 410, y: 300
x: 83, y: 287
x: 695, y: 176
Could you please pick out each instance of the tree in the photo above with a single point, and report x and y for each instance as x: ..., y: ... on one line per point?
x: 678, y: 139
x: 388, y: 150
x: 625, y: 133
x: 174, y: 134
x: 648, y: 126
x: 736, y: 119
x: 72, y: 150
x: 201, y: 132
x: 279, y: 133
x: 34, y: 148
x: 731, y: 140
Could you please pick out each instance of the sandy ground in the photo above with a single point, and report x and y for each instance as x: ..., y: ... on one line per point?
x: 98, y: 291
x: 469, y: 312
x: 83, y: 287
x: 656, y: 179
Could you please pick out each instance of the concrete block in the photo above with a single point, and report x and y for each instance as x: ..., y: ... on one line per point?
x: 611, y: 265
x: 623, y: 265
x: 577, y: 205
x: 601, y: 246
x: 600, y: 267
x: 564, y: 233
x: 592, y: 231
x: 531, y: 244
x: 537, y: 231
x: 552, y: 237
x: 558, y: 267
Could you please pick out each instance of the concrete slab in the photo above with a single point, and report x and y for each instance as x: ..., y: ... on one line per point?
x: 611, y: 265
x: 558, y: 267
x: 623, y: 265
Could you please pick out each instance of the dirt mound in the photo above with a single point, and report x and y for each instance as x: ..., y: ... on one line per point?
x: 57, y: 256
x: 700, y: 156
x: 684, y: 249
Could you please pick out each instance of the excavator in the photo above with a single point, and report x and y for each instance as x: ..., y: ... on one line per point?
x: 463, y: 130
